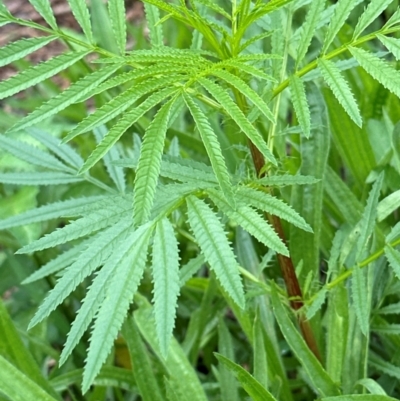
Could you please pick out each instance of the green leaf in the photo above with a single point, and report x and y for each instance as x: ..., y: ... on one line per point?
x: 190, y: 268
x: 393, y: 257
x: 247, y: 91
x: 128, y: 119
x: 287, y: 179
x: 316, y: 374
x: 38, y: 73
x: 359, y: 397
x: 32, y: 155
x: 229, y: 390
x: 342, y: 11
x: 237, y: 115
x: 149, y: 164
x: 252, y: 222
x: 13, y: 348
x: 82, y: 16
x: 212, y: 146
x: 367, y: 222
x: 372, y: 386
x: 131, y: 260
x: 86, y: 225
x: 38, y: 178
x: 70, y: 208
x: 118, y: 105
x: 340, y: 89
x: 378, y: 69
x: 182, y: 376
x: 317, y: 304
x: 388, y: 205
x: 374, y: 9
x: 43, y: 7
x: 17, y: 50
x: 361, y: 302
x: 116, y: 9
x: 252, y: 387
x: 116, y: 173
x: 91, y: 258
x: 165, y: 266
x: 59, y: 263
x: 155, y: 28
x: 17, y: 386
x: 272, y: 205
x: 214, y: 245
x: 64, y: 152
x: 392, y: 44
x: 141, y: 364
x: 308, y: 29
x: 69, y: 96
x: 300, y: 104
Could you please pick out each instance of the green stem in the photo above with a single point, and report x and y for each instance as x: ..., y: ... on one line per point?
x: 334, y: 53
x: 350, y: 271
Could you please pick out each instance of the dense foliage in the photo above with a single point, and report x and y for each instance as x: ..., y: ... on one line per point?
x: 210, y: 216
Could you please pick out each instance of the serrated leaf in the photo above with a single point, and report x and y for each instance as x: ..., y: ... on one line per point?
x: 359, y: 289
x: 38, y: 73
x: 64, y: 152
x: 393, y: 256
x: 251, y: 221
x: 116, y: 173
x: 116, y: 9
x: 86, y: 225
x: 342, y: 11
x: 288, y: 179
x: 367, y: 222
x: 392, y: 44
x: 32, y: 154
x: 214, y: 245
x: 165, y: 266
x: 300, y: 104
x: 38, y: 178
x: 272, y: 205
x: 17, y: 50
x: 149, y: 164
x: 128, y: 119
x: 247, y: 91
x: 190, y: 268
x: 340, y: 89
x: 317, y: 304
x: 373, y: 10
x: 118, y: 105
x: 248, y: 69
x: 60, y: 262
x: 90, y: 259
x: 131, y: 259
x: 252, y: 386
x: 64, y: 99
x: 43, y: 7
x: 237, y: 115
x: 308, y: 29
x: 68, y: 208
x: 155, y: 28
x: 388, y: 205
x: 393, y: 20
x: 212, y: 146
x: 95, y: 295
x: 317, y: 375
x: 82, y: 16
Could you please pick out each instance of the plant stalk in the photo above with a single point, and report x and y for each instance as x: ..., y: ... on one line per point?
x: 287, y: 267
